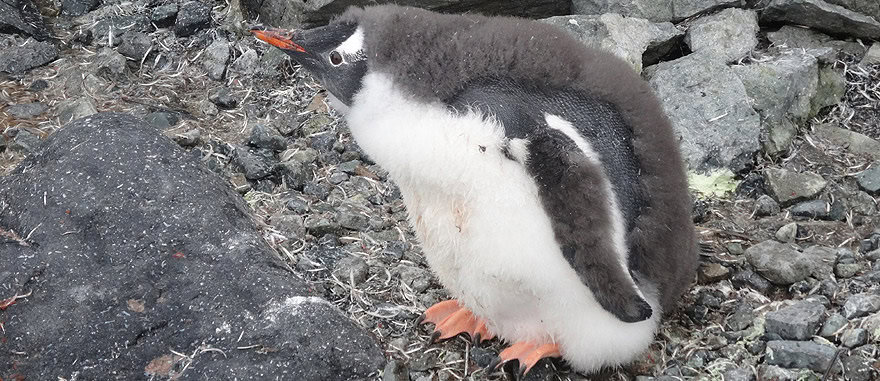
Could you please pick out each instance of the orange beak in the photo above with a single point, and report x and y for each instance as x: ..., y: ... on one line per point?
x: 280, y: 38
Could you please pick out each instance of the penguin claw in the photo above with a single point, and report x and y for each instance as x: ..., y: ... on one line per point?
x: 451, y: 319
x: 527, y: 354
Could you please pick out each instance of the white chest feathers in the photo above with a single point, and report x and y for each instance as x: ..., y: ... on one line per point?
x: 479, y: 218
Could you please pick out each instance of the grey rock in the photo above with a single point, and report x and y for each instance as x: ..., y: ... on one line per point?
x: 255, y: 164
x: 215, y: 58
x: 766, y: 206
x: 337, y: 178
x: 295, y: 174
x: 290, y: 225
x: 323, y: 142
x: 247, y: 63
x: 654, y: 10
x: 830, y: 89
x: 26, y: 110
x: 24, y: 142
x: 854, y: 142
x: 781, y: 91
x: 860, y: 305
x: 297, y: 206
x: 319, y: 226
x: 135, y: 45
x: 626, y: 37
x: 349, y: 167
x: 311, y: 13
x: 224, y: 99
x: 395, y: 370
x: 316, y: 190
x: 869, y: 8
x: 799, y: 354
x: 738, y: 374
x: 787, y: 233
x: 352, y: 220
x: 414, y: 277
x: 75, y: 109
x: 778, y: 262
x: 707, y: 104
x: 833, y: 324
x: 162, y: 119
x: 872, y: 325
x: 110, y: 64
x: 712, y: 272
x: 816, y: 209
x: 728, y: 35
x: 121, y: 171
x: 304, y: 156
x: 869, y: 180
x: 77, y: 7
x: 163, y: 16
x: 788, y: 187
x: 264, y: 136
x: 190, y: 138
x: 351, y: 268
x: 859, y: 368
x: 820, y: 260
x: 775, y: 373
x: 19, y: 59
x: 795, y: 37
x: 799, y: 321
x: 748, y: 278
x: 872, y: 56
x: 108, y: 31
x: 822, y: 16
x: 22, y: 16
x: 741, y: 318
x: 854, y: 337
x: 847, y: 270
x: 192, y: 17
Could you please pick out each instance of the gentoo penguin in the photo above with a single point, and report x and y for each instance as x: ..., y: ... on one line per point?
x: 541, y: 177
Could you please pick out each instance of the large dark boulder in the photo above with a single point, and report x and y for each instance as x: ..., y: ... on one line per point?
x: 295, y: 13
x: 131, y: 261
x: 22, y: 16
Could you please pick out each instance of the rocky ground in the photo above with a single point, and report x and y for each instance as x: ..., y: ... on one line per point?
x: 779, y: 126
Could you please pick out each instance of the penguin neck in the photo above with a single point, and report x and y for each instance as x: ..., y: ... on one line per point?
x: 417, y: 142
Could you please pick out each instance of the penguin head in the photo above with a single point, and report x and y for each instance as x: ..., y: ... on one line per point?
x: 333, y: 54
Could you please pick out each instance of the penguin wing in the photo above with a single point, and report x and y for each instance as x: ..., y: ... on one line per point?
x: 580, y: 154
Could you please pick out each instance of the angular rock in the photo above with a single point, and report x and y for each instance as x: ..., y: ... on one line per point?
x: 414, y: 277
x: 110, y: 65
x: 778, y: 262
x: 739, y: 374
x: 787, y: 233
x: 775, y: 373
x: 164, y: 15
x: 189, y: 138
x: 22, y: 16
x: 108, y: 31
x: 741, y: 318
x: 77, y: 7
x: 820, y: 260
x: 860, y: 305
x: 626, y: 37
x: 869, y: 180
x: 872, y: 57
x: 782, y: 88
x: 728, y: 35
x: 174, y: 265
x: 26, y: 110
x: 816, y: 209
x: 192, y: 17
x: 854, y: 337
x: 255, y: 164
x: 291, y: 14
x: 708, y: 107
x: 19, y: 59
x: 25, y: 141
x: 795, y: 37
x: 788, y: 187
x: 822, y: 16
x: 854, y: 142
x: 833, y: 324
x: 263, y: 136
x: 830, y: 89
x: 75, y: 109
x: 860, y: 368
x: 316, y: 190
x: 215, y: 58
x: 799, y: 321
x: 766, y: 206
x: 654, y: 10
x: 247, y: 63
x: 135, y: 45
x: 799, y: 354
x: 712, y: 272
x: 223, y: 98
x: 351, y: 269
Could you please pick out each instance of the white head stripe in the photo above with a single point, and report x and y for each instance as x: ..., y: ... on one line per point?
x: 353, y: 44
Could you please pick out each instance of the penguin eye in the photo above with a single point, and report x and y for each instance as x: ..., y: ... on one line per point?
x: 335, y: 58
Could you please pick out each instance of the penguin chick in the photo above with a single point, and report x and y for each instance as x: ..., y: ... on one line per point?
x: 542, y: 177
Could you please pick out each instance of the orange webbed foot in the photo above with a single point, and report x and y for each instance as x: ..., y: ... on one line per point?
x: 451, y: 319
x: 527, y: 354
